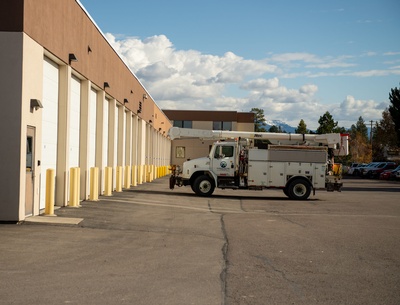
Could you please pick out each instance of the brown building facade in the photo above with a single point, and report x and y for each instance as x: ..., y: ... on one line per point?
x: 69, y: 101
x: 184, y: 149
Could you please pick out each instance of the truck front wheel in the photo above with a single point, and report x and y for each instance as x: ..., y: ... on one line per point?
x: 203, y: 186
x: 299, y: 189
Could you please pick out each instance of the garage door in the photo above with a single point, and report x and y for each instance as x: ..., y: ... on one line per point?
x: 105, y: 132
x: 74, y: 125
x: 92, y: 127
x: 49, y: 123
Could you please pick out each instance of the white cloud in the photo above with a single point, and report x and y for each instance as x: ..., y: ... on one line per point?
x: 351, y: 108
x: 189, y: 79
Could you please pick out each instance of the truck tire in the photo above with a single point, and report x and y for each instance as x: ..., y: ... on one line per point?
x: 299, y: 189
x: 203, y: 186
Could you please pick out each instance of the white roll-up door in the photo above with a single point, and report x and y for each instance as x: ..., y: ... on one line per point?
x: 105, y: 132
x: 74, y: 125
x: 115, y: 145
x: 92, y: 128
x: 49, y: 123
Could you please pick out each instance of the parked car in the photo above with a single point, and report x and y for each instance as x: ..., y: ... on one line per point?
x: 362, y: 169
x: 397, y: 175
x: 374, y: 172
x: 389, y: 174
x: 395, y: 172
x: 354, y: 168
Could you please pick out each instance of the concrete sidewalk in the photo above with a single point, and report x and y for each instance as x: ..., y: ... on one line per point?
x: 141, y: 246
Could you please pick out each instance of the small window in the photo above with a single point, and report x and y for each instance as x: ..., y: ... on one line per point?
x: 29, y: 146
x: 221, y: 125
x: 183, y: 124
x: 180, y: 152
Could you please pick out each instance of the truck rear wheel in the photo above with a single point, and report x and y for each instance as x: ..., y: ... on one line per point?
x: 203, y: 186
x: 299, y: 189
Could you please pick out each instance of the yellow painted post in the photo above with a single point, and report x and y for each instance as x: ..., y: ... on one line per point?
x: 140, y: 174
x: 127, y: 177
x: 50, y: 188
x: 148, y: 172
x: 118, y: 182
x: 74, y: 187
x: 94, y: 184
x: 134, y: 175
x: 108, y: 181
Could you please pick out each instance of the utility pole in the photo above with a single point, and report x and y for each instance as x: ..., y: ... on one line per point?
x: 370, y: 133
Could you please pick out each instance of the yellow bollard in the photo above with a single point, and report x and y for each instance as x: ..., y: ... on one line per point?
x: 108, y: 181
x: 118, y: 182
x: 139, y: 174
x: 50, y: 188
x: 94, y: 184
x: 74, y: 187
x: 134, y: 175
x: 147, y: 173
x: 127, y: 176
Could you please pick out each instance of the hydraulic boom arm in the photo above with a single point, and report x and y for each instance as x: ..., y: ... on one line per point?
x: 337, y: 141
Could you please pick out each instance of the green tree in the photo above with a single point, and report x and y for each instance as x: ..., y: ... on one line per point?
x: 360, y: 148
x: 394, y: 110
x: 276, y: 129
x: 360, y: 128
x: 384, y: 136
x: 259, y: 119
x: 327, y: 124
x: 302, y: 127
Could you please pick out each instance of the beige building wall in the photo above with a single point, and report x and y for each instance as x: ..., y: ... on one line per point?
x: 31, y: 30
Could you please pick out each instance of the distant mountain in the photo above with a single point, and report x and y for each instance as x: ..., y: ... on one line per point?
x: 285, y: 127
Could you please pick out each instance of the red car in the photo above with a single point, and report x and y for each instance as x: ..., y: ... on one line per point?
x: 389, y: 174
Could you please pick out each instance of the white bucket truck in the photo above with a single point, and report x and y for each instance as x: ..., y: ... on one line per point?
x: 296, y: 163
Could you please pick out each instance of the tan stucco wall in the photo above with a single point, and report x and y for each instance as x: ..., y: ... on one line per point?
x: 207, y: 125
x: 32, y: 88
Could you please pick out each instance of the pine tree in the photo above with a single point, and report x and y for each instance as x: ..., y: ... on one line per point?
x: 302, y: 127
x: 327, y: 124
x: 259, y: 119
x: 394, y: 110
x: 360, y: 148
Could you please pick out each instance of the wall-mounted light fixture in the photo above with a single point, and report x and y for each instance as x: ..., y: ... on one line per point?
x: 150, y: 121
x: 72, y: 57
x: 125, y: 101
x: 106, y: 85
x: 145, y: 96
x: 89, y: 49
x: 159, y: 129
x: 131, y: 91
x: 35, y: 104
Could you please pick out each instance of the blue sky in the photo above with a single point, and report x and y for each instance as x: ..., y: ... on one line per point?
x: 294, y: 59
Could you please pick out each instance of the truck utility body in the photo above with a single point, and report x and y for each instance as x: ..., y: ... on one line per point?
x: 298, y: 166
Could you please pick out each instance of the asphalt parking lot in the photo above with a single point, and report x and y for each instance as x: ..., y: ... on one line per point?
x: 151, y: 245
